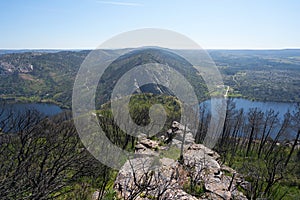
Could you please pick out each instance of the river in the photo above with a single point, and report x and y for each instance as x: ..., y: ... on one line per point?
x: 44, y: 108
x: 16, y: 109
x: 50, y: 109
x: 279, y: 107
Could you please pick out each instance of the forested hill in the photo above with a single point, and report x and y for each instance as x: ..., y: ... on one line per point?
x: 270, y: 75
x: 40, y: 76
x: 141, y: 57
x: 50, y: 76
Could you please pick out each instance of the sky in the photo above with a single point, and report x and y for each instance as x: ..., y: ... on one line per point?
x: 213, y: 24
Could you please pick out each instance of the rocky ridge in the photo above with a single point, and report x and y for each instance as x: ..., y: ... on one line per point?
x: 151, y: 175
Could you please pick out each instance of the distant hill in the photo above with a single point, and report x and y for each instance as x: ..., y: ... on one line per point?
x: 40, y: 76
x: 245, y: 52
x: 145, y: 56
x: 47, y: 75
x: 36, y: 76
x: 10, y: 51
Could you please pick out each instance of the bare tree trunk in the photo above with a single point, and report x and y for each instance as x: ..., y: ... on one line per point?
x: 182, y: 144
x: 293, y: 148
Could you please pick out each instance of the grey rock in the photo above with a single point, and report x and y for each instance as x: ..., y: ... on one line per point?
x: 95, y: 195
x: 164, y: 177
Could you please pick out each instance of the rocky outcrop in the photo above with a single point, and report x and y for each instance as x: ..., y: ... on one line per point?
x: 178, y: 133
x: 8, y: 68
x: 198, y: 176
x: 216, y: 183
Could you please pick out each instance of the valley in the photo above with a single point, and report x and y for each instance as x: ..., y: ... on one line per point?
x: 254, y: 75
x: 257, y: 147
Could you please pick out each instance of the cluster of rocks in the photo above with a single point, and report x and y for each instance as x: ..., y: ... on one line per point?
x: 178, y: 133
x: 217, y: 185
x: 152, y: 176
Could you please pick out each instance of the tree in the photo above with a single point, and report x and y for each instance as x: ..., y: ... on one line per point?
x: 270, y: 122
x: 44, y: 159
x: 293, y: 148
x: 255, y: 117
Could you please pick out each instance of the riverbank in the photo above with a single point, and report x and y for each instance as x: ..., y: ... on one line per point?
x: 24, y: 100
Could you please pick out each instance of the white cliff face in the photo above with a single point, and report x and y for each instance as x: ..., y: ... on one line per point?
x: 151, y: 176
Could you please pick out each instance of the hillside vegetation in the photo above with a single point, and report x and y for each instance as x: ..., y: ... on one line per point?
x: 42, y: 76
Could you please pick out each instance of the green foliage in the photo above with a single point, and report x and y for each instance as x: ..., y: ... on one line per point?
x: 194, y: 189
x: 140, y: 104
x: 110, y: 195
x: 173, y: 153
x: 148, y: 196
x: 257, y: 171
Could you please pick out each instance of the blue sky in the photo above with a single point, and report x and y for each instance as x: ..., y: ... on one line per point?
x: 214, y: 24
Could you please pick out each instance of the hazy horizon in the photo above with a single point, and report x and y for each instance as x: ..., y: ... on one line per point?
x: 79, y: 49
